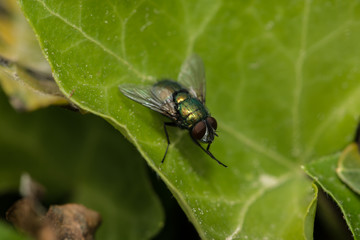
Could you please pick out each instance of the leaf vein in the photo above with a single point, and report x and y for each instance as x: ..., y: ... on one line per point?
x: 165, y: 14
x: 299, y: 63
x: 253, y: 198
x: 115, y: 10
x: 97, y: 43
x: 204, y: 24
x: 269, y: 35
x: 337, y: 112
x: 328, y: 38
x: 259, y: 148
x: 80, y: 13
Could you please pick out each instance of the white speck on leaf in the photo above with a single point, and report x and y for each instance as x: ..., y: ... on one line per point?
x: 269, y: 25
x: 254, y: 65
x: 143, y: 27
x: 268, y: 180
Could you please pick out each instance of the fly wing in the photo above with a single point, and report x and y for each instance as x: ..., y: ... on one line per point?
x: 145, y: 96
x: 192, y: 76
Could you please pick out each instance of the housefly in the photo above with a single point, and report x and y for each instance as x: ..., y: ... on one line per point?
x: 182, y: 101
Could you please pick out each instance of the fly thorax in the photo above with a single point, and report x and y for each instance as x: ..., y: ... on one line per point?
x: 180, y: 97
x: 191, y: 110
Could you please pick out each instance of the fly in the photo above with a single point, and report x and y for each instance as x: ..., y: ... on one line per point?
x: 183, y: 102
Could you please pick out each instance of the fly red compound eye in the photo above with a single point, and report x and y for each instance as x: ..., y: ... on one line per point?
x: 199, y: 130
x: 212, y: 122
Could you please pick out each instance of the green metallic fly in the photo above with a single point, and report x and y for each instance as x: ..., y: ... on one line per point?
x: 183, y: 102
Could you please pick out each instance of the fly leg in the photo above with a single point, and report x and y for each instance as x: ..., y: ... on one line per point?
x: 207, y: 151
x: 171, y: 124
x: 208, y: 147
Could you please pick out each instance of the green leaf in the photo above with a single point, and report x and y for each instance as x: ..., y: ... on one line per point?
x: 268, y: 67
x: 310, y: 217
x: 349, y: 167
x: 323, y: 172
x: 8, y: 233
x: 80, y: 159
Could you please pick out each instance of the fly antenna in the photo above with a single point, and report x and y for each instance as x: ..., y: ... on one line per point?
x: 207, y: 152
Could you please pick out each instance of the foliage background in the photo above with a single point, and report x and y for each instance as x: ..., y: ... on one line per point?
x: 284, y: 92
